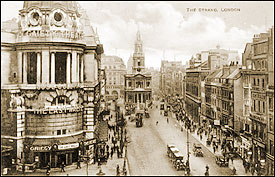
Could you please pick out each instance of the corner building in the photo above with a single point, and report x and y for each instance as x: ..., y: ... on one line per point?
x: 50, y: 89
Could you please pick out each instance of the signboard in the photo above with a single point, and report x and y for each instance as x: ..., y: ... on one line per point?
x: 216, y: 122
x: 57, y: 110
x: 68, y: 146
x: 40, y: 148
x: 93, y: 141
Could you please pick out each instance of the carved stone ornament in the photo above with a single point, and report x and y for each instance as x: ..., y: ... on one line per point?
x: 58, y: 18
x: 34, y: 17
x: 31, y: 94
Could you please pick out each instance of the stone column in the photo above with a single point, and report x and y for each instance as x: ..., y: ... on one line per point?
x: 68, y: 68
x: 45, y: 67
x: 20, y: 66
x: 82, y: 69
x: 38, y: 67
x: 25, y: 68
x: 74, y: 67
x: 52, y: 67
x: 77, y: 67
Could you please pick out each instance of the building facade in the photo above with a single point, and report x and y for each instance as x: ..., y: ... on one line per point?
x: 115, y: 70
x: 50, y: 89
x: 258, y: 73
x: 138, y: 84
x: 171, y: 77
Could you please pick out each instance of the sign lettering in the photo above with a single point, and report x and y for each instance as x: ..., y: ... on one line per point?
x: 68, y: 146
x: 57, y: 110
x: 40, y: 148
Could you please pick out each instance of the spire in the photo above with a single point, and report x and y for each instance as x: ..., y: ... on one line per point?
x: 138, y: 36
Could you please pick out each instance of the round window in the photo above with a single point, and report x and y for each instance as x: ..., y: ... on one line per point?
x: 35, y: 16
x: 58, y: 16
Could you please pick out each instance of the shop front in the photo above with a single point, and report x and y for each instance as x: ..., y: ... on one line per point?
x: 55, y: 154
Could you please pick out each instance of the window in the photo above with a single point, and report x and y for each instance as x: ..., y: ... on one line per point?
x: 138, y: 63
x: 270, y: 103
x: 60, y: 67
x: 271, y: 147
x: 258, y: 82
x: 263, y: 107
x: 254, y: 105
x: 31, y: 67
x: 263, y: 84
x: 58, y: 132
x: 148, y: 84
x: 259, y: 106
x: 130, y: 84
x: 64, y: 131
x: 271, y: 123
x: 254, y: 81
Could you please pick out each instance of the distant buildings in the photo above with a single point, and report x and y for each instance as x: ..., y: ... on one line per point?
x: 115, y: 70
x: 171, y: 77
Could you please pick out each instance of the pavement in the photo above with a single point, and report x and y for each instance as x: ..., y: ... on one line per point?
x: 237, y: 162
x: 108, y: 169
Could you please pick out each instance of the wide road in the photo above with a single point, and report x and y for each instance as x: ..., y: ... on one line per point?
x: 147, y: 149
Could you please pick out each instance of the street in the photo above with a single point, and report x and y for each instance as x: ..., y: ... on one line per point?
x: 147, y: 150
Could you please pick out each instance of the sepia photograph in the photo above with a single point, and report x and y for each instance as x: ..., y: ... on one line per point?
x: 137, y: 88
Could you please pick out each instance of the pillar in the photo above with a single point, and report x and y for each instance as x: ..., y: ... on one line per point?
x: 74, y: 56
x: 82, y: 69
x: 38, y: 68
x: 25, y: 68
x: 52, y: 67
x: 20, y: 66
x: 45, y: 67
x: 77, y: 67
x: 141, y: 97
x: 68, y: 68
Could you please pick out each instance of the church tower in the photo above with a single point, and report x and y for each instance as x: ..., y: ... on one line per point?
x: 138, y: 56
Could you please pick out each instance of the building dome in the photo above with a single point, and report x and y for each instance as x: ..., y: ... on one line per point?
x: 66, y: 5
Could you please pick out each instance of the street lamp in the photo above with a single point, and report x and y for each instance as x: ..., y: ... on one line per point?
x: 188, y: 153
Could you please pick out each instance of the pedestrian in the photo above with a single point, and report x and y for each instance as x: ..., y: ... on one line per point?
x: 23, y: 168
x: 201, y: 136
x: 63, y: 167
x: 107, y: 147
x: 112, y: 152
x: 117, y: 170
x: 157, y: 122
x: 167, y: 120
x: 232, y: 158
x: 107, y: 154
x: 214, y: 149
x: 246, y: 167
x: 252, y: 170
x: 78, y: 164
x: 48, y: 171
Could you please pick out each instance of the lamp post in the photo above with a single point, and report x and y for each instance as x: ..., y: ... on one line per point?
x: 188, y: 153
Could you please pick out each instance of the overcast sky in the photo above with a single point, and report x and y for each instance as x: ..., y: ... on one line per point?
x: 168, y: 26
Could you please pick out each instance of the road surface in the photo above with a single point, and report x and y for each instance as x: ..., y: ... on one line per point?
x: 147, y: 150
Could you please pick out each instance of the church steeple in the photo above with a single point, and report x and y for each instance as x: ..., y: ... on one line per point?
x: 138, y: 44
x: 138, y: 56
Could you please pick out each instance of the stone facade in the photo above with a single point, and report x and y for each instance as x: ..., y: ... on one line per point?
x: 50, y: 84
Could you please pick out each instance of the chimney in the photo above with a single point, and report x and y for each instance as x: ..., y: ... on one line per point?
x: 225, y: 70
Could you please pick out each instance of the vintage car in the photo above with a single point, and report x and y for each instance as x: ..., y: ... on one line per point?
x: 170, y: 146
x: 197, y: 150
x: 172, y: 151
x: 177, y: 161
x: 221, y: 161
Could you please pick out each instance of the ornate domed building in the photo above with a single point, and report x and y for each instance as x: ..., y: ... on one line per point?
x: 50, y: 89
